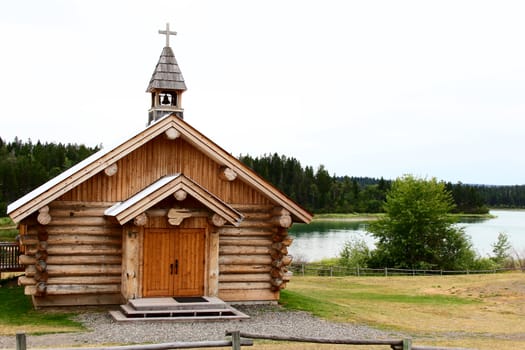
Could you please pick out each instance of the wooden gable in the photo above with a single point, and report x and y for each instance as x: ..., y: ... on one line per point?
x: 178, y: 185
x: 166, y: 147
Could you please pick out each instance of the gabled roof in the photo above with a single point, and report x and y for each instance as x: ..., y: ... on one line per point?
x: 167, y: 74
x: 165, y: 187
x: 92, y: 165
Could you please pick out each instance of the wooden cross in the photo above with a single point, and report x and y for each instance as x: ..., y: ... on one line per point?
x: 167, y: 33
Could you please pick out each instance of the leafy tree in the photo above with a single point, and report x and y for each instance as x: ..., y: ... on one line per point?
x: 355, y: 253
x: 501, y: 248
x: 417, y: 231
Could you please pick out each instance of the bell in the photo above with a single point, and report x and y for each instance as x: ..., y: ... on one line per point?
x: 165, y: 100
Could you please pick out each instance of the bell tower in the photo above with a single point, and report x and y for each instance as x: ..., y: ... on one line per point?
x: 167, y: 84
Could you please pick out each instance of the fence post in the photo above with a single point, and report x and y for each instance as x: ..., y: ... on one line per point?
x: 386, y: 271
x: 357, y: 270
x: 331, y: 271
x: 21, y: 341
x: 407, y: 344
x: 302, y: 268
x: 236, y: 340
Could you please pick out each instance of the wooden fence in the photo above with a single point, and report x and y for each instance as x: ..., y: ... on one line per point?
x: 395, y: 344
x: 240, y: 339
x: 235, y: 343
x: 306, y: 269
x: 9, y: 253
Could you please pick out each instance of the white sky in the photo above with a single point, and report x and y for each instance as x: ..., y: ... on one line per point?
x: 366, y: 88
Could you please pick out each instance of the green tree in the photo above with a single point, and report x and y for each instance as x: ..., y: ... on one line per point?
x: 323, y: 180
x: 355, y: 253
x: 417, y: 231
x: 501, y: 248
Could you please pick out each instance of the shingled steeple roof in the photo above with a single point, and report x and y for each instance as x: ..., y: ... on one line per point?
x: 167, y: 74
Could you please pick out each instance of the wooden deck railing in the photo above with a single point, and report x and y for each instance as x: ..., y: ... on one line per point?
x: 9, y: 253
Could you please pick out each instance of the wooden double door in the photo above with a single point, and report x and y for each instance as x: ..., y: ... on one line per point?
x: 174, y: 262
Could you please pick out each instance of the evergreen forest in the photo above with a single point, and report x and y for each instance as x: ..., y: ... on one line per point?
x: 25, y: 165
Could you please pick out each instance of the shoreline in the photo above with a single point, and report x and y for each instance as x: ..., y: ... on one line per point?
x: 376, y: 216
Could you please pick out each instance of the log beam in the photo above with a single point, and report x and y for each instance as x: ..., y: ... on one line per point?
x: 218, y: 220
x: 180, y: 195
x: 245, y: 259
x: 71, y: 289
x: 227, y: 174
x: 242, y: 249
x: 141, y: 220
x: 111, y: 170
x: 237, y: 269
x: 175, y: 216
x: 172, y: 133
x: 43, y: 217
x: 282, y: 220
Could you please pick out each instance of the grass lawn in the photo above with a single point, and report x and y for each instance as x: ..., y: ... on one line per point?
x: 477, y: 311
x: 17, y: 315
x: 470, y: 311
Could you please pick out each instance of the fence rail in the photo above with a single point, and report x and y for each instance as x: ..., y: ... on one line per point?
x: 9, y: 253
x: 307, y: 269
x: 240, y: 339
x: 395, y: 344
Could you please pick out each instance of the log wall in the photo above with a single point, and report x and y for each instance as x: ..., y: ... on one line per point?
x: 75, y: 259
x: 249, y: 267
x: 156, y: 159
x: 82, y: 258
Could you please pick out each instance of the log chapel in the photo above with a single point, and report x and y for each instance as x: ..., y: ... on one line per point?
x: 166, y: 213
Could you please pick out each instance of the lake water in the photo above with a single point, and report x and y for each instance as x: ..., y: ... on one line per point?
x: 325, y: 239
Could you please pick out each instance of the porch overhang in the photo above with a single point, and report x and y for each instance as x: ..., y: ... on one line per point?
x: 165, y: 187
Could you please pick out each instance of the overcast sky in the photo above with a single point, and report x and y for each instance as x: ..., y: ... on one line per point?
x: 366, y: 88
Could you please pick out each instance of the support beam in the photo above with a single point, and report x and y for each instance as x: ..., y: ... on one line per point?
x: 175, y: 216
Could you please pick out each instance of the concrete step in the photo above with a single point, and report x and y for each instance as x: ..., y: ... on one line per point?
x: 132, y: 312
x: 172, y: 304
x: 150, y: 309
x: 121, y: 317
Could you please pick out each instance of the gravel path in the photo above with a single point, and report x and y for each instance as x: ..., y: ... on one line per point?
x: 268, y: 320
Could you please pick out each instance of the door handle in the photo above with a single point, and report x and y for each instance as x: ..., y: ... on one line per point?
x: 176, y: 266
x: 171, y: 269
